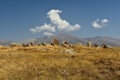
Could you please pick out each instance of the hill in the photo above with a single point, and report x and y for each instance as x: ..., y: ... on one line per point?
x: 6, y: 42
x: 70, y: 38
x: 54, y: 63
x: 106, y: 40
x: 73, y: 39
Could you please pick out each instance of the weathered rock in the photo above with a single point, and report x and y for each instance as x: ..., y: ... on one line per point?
x: 56, y: 42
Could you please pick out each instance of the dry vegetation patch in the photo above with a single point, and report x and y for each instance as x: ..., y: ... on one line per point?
x: 49, y: 63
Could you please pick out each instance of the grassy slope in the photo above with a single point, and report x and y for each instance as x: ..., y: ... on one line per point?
x: 49, y: 63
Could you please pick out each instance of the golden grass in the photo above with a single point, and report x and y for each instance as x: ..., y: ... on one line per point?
x: 49, y: 63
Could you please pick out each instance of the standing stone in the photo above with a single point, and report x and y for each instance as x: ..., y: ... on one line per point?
x: 89, y: 44
x: 56, y: 42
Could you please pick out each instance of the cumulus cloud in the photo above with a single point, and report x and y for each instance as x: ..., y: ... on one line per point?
x: 60, y: 23
x: 56, y: 24
x: 104, y: 21
x: 45, y: 27
x: 47, y: 33
x: 100, y: 23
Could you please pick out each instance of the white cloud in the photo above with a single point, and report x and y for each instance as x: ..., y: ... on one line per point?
x: 48, y: 27
x: 73, y: 28
x: 56, y: 24
x: 100, y: 23
x: 47, y: 34
x: 45, y: 27
x: 104, y: 21
x: 60, y: 23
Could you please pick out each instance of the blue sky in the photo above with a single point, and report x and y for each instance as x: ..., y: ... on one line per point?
x: 17, y: 17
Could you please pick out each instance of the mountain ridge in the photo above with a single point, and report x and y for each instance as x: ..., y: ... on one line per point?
x: 71, y: 39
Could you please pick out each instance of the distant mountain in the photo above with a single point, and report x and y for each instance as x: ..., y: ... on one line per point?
x: 71, y: 39
x: 107, y: 40
x: 60, y: 37
x: 6, y: 42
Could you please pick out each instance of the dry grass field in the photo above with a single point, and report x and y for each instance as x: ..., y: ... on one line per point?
x: 53, y: 63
